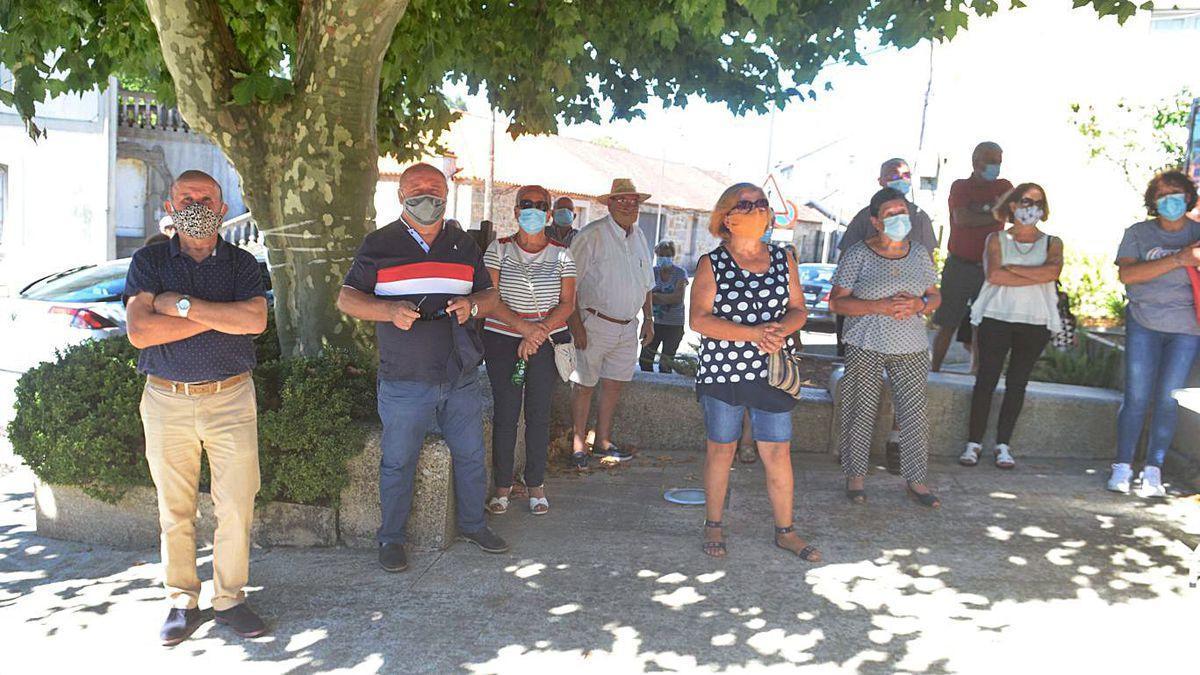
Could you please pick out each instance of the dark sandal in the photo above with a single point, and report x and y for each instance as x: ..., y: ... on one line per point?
x: 856, y: 496
x: 928, y: 500
x: 805, y: 554
x: 715, y: 549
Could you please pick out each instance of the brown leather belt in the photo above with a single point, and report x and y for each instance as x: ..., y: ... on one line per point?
x: 196, y: 388
x: 608, y: 318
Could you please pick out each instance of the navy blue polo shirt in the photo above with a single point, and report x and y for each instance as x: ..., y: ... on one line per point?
x: 230, y: 274
x: 391, y: 265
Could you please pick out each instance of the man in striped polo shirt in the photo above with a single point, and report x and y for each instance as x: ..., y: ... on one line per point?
x: 425, y: 286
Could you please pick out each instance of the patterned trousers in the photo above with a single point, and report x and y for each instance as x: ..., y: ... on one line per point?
x: 859, y: 391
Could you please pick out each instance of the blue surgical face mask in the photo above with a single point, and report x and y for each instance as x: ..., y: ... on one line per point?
x: 990, y: 172
x: 897, y: 227
x: 1171, y: 207
x: 767, y: 235
x: 532, y: 220
x: 663, y: 261
x: 900, y: 185
x: 564, y: 216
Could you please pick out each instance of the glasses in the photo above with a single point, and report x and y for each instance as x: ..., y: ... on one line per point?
x: 907, y: 175
x: 746, y: 206
x: 530, y: 204
x: 624, y: 201
x: 1026, y: 201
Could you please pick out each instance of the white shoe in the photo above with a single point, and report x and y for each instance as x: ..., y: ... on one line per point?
x: 1004, y: 458
x: 1121, y: 476
x: 970, y: 456
x: 1151, y: 486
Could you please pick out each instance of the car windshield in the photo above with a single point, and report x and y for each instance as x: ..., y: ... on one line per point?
x: 816, y: 274
x: 97, y: 283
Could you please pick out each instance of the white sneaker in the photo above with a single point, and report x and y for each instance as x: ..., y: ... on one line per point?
x: 1121, y: 476
x: 970, y: 456
x: 1151, y: 486
x: 1004, y: 458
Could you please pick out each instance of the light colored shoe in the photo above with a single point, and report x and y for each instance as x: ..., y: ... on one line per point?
x: 1004, y: 458
x: 1120, y: 478
x: 1151, y: 486
x: 970, y: 456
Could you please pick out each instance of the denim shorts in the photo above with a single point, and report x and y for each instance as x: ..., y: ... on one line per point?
x: 724, y: 422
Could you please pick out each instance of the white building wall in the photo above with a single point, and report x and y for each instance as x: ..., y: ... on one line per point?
x: 58, y: 203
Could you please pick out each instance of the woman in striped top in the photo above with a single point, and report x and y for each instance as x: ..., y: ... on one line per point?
x: 536, y: 278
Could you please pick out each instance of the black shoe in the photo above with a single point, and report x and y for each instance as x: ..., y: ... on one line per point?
x: 892, y: 455
x: 487, y: 540
x: 646, y: 366
x: 180, y: 624
x: 242, y: 620
x: 580, y: 460
x: 392, y: 558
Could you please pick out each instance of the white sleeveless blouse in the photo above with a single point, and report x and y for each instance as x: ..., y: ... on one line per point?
x: 1036, y: 304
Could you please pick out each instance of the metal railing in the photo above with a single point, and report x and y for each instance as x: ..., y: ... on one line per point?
x: 138, y: 110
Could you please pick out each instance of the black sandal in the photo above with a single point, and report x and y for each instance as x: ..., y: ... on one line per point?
x: 805, y: 554
x: 856, y: 496
x: 928, y: 500
x: 715, y: 549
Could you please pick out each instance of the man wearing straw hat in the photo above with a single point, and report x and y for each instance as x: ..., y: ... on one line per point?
x: 615, y: 276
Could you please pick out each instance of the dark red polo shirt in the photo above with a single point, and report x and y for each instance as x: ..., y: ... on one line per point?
x: 972, y: 193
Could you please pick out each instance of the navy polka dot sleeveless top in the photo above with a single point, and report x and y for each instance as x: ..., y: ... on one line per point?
x: 746, y: 298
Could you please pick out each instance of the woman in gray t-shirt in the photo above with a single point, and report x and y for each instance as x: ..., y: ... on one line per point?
x: 1162, y: 336
x: 885, y: 285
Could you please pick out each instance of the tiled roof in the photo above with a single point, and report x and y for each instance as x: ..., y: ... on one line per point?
x: 562, y: 164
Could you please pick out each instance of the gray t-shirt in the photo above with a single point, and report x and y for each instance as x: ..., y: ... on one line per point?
x: 870, y: 276
x: 860, y: 228
x: 1164, y: 303
x: 672, y: 314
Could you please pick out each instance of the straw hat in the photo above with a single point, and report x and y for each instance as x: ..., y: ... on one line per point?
x: 623, y: 186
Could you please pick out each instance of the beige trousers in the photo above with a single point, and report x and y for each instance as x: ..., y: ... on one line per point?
x: 225, y: 426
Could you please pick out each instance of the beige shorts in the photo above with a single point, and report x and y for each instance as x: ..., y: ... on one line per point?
x: 612, y: 351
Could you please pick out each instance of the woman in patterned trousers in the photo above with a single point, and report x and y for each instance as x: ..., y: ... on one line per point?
x: 885, y: 286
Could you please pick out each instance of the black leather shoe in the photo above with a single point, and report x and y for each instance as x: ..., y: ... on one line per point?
x: 392, y: 558
x: 892, y: 457
x: 242, y: 620
x: 179, y: 626
x: 487, y: 540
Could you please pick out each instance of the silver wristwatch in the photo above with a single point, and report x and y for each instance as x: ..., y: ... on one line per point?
x: 474, y: 309
x: 182, y: 305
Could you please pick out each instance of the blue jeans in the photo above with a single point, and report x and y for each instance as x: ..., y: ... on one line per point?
x: 724, y: 422
x: 1156, y: 364
x: 408, y: 410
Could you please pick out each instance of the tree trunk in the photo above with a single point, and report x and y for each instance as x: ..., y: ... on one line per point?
x: 309, y: 163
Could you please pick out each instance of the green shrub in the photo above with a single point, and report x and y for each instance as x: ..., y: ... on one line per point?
x: 1092, y: 284
x: 1075, y: 366
x: 77, y: 421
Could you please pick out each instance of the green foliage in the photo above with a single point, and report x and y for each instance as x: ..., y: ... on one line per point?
x: 1140, y: 139
x: 77, y: 421
x: 1092, y: 283
x: 1075, y: 366
x: 751, y: 54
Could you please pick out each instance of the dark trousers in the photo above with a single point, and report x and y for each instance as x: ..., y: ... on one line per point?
x: 500, y: 351
x: 669, y: 337
x: 1022, y: 343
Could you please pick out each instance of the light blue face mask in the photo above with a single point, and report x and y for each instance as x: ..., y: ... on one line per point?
x: 766, y: 237
x: 1171, y: 207
x: 900, y: 185
x: 897, y: 227
x: 564, y: 216
x: 990, y: 172
x: 663, y: 261
x: 532, y: 220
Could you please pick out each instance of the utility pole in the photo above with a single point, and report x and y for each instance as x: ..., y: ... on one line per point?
x: 491, y: 178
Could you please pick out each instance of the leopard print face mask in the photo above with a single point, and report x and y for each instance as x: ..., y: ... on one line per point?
x: 196, y: 221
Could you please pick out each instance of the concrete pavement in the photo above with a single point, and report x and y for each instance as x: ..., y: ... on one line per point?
x: 1034, y: 570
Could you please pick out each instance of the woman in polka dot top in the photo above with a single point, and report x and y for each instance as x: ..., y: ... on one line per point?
x: 746, y: 303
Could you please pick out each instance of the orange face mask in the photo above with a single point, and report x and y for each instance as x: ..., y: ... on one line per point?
x: 750, y: 225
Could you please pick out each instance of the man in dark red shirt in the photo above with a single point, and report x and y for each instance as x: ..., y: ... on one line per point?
x: 971, y: 221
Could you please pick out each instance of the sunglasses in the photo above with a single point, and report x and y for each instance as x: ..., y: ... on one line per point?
x: 1026, y: 201
x: 530, y: 204
x: 745, y: 205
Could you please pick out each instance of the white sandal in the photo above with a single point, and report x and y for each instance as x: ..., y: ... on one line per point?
x: 536, y: 503
x: 970, y: 456
x: 1004, y: 459
x: 498, y: 506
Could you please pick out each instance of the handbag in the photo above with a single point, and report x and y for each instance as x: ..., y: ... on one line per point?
x: 564, y: 352
x: 1065, y: 338
x: 783, y: 371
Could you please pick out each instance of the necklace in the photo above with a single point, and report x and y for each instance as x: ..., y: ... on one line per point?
x: 1024, y: 248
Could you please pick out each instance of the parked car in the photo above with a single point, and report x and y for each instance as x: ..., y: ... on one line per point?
x: 817, y: 280
x: 67, y: 308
